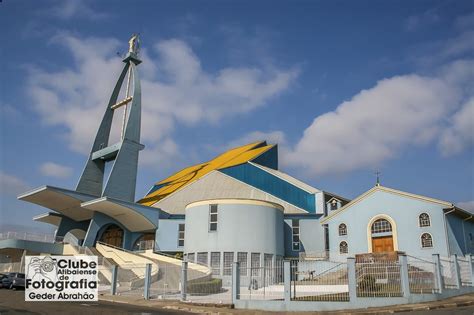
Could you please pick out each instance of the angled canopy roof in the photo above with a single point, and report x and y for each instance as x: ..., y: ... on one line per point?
x: 188, y: 175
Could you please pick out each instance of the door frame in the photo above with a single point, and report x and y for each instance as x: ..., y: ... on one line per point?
x: 394, y: 231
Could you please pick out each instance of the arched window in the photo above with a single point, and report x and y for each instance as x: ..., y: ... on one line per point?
x: 342, y: 229
x: 424, y: 220
x: 343, y: 248
x: 426, y: 240
x: 381, y: 226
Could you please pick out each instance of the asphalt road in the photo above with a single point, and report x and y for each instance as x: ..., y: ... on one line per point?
x: 13, y: 302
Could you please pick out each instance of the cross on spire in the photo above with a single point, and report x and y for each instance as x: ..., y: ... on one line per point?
x: 377, y: 174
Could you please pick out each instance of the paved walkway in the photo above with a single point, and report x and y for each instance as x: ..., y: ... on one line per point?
x: 447, y: 304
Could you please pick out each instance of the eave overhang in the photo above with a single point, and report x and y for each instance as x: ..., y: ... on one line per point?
x: 63, y: 201
x: 134, y: 217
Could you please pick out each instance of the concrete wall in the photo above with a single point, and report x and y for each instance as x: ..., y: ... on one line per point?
x: 311, y: 235
x: 404, y: 211
x: 242, y: 227
x: 167, y: 235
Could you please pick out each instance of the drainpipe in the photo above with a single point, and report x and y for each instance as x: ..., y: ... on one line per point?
x: 464, y: 233
x: 446, y: 229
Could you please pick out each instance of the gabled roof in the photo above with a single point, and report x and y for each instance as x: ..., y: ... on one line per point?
x: 232, y: 157
x: 388, y: 190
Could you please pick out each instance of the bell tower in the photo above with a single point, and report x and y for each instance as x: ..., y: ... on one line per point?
x: 123, y: 155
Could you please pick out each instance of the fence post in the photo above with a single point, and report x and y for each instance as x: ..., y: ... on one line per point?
x: 113, y: 281
x: 402, y: 259
x: 471, y: 268
x: 235, y: 282
x: 438, y: 273
x: 351, y: 278
x: 287, y: 279
x: 457, y: 272
x: 184, y: 279
x: 146, y: 293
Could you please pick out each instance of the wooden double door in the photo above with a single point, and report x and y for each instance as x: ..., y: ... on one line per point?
x: 113, y: 236
x: 382, y: 244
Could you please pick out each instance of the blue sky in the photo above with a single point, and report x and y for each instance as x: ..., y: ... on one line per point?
x: 344, y: 87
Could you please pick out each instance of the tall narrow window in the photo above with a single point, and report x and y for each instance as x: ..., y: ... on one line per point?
x: 255, y: 263
x: 202, y: 258
x: 213, y: 218
x: 228, y: 259
x: 343, y: 248
x: 180, y: 235
x: 295, y: 228
x: 426, y: 240
x: 424, y: 220
x: 242, y: 259
x: 191, y: 257
x: 342, y: 229
x: 216, y: 263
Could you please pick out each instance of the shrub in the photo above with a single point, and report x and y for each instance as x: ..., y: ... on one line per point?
x: 204, y: 287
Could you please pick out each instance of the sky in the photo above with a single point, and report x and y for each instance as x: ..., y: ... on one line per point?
x: 345, y: 88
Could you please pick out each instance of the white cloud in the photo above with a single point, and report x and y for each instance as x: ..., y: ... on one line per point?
x: 460, y: 134
x: 175, y: 89
x: 466, y: 205
x: 55, y: 170
x: 12, y: 185
x: 379, y: 123
x: 67, y: 9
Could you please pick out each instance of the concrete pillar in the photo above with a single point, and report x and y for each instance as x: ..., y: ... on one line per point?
x: 405, y: 282
x: 471, y: 268
x: 235, y: 282
x: 146, y: 293
x: 287, y: 280
x: 438, y: 273
x: 113, y: 281
x: 457, y: 273
x: 351, y: 278
x: 184, y: 279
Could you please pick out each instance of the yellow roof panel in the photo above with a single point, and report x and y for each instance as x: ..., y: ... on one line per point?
x: 190, y: 174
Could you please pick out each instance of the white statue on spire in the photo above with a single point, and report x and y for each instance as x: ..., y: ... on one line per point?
x: 133, y: 44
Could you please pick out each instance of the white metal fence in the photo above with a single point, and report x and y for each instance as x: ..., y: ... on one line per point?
x: 262, y: 283
x: 465, y: 271
x: 314, y: 280
x: 378, y: 279
x: 422, y: 275
x: 448, y: 272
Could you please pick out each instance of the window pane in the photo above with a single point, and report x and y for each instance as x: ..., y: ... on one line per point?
x: 213, y: 208
x: 181, y: 227
x: 228, y: 259
x: 213, y: 217
x: 295, y: 222
x: 202, y: 258
x: 255, y: 264
x: 181, y: 243
x: 213, y: 227
x: 242, y: 259
x: 216, y: 263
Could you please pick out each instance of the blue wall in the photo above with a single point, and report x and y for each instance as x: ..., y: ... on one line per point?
x: 99, y: 224
x: 271, y: 184
x: 311, y: 235
x: 269, y: 158
x: 167, y: 235
x: 458, y: 231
